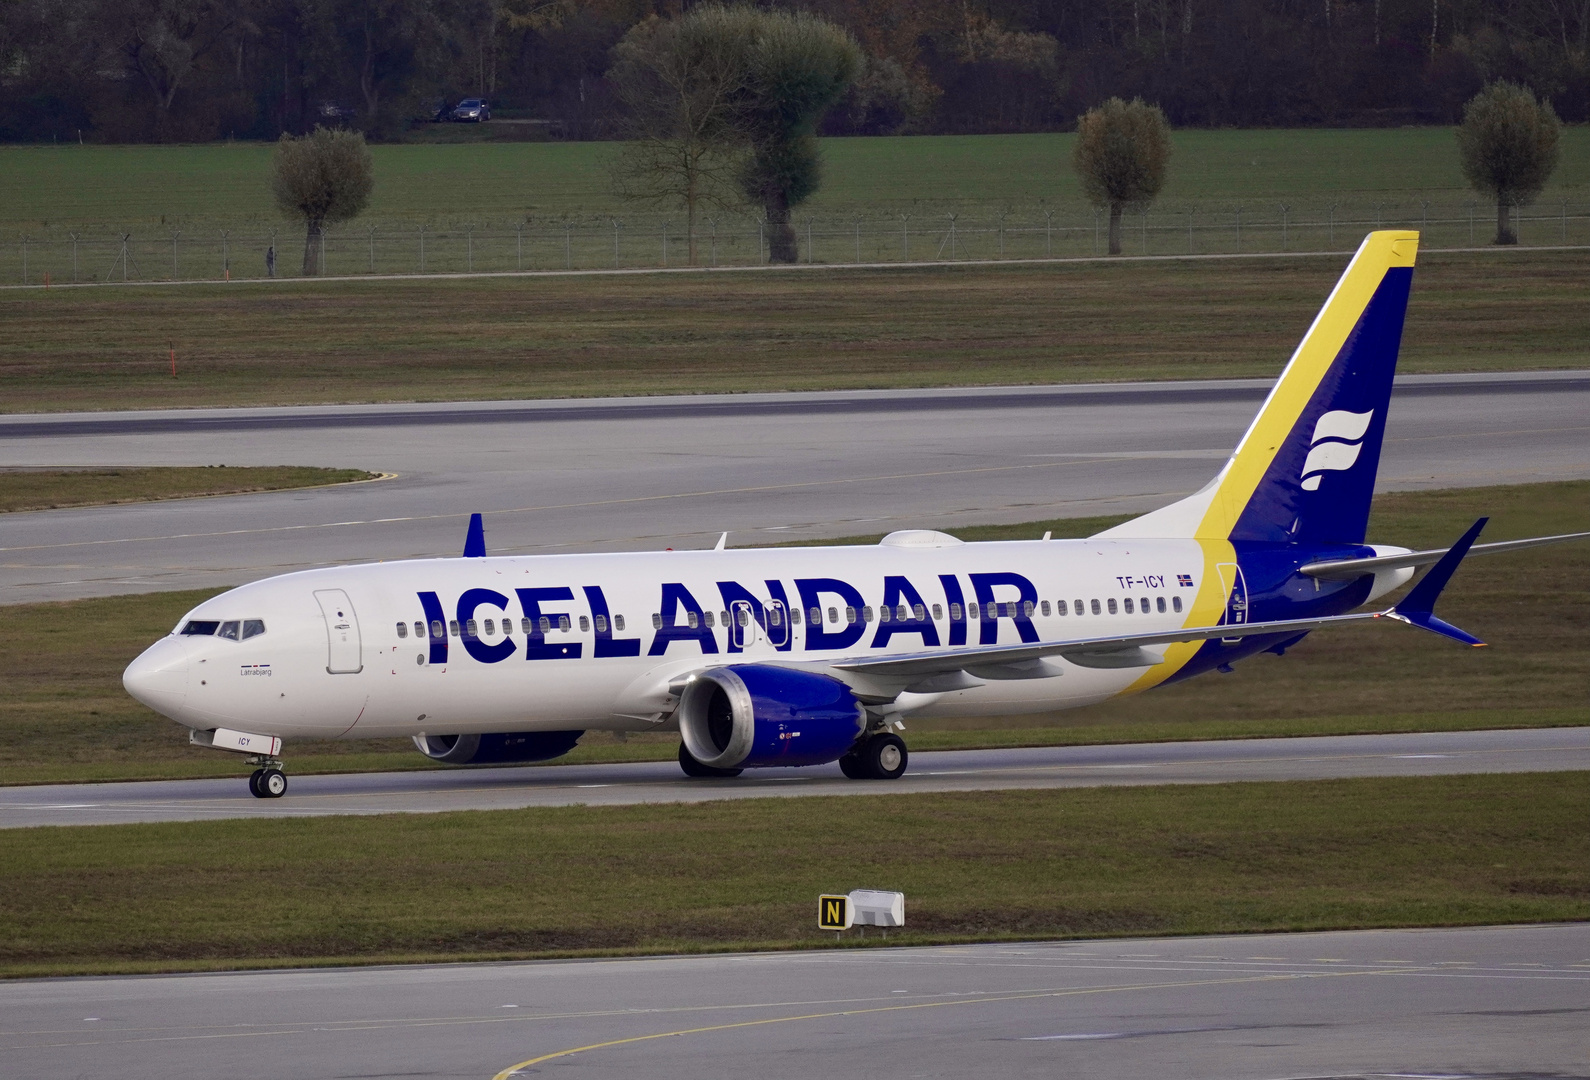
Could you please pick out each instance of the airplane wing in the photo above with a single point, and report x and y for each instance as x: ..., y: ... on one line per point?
x: 942, y: 670
x: 1348, y: 569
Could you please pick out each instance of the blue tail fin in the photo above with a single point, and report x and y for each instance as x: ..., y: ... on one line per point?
x: 1305, y: 471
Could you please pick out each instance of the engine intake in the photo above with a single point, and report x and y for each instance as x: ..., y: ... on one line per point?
x: 509, y: 748
x: 751, y: 716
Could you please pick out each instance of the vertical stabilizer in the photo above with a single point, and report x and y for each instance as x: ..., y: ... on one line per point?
x: 1305, y: 471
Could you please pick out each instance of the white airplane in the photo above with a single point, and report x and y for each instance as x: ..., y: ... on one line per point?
x: 804, y: 656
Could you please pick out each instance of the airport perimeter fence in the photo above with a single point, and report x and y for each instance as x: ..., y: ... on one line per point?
x: 61, y: 256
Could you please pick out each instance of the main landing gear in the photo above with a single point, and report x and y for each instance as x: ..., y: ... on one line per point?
x: 268, y: 781
x: 880, y: 757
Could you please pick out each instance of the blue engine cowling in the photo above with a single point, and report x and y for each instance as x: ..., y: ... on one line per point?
x: 750, y: 716
x: 508, y: 748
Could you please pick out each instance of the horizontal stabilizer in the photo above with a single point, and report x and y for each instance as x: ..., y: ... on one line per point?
x: 1349, y: 569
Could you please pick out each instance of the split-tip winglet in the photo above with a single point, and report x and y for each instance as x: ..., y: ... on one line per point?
x: 1418, y: 607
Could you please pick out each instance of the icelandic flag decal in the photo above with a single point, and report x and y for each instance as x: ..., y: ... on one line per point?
x: 1184, y: 580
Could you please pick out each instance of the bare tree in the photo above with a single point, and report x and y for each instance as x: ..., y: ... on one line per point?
x: 1121, y: 155
x: 323, y: 177
x: 679, y: 81
x: 1508, y: 147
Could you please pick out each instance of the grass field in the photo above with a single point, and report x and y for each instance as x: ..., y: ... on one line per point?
x: 65, y: 716
x: 53, y: 489
x: 1438, y: 851
x: 196, y: 186
x: 552, y: 337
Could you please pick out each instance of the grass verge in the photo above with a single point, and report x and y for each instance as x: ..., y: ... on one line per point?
x: 54, y: 489
x: 841, y: 329
x: 1441, y: 851
x: 65, y: 717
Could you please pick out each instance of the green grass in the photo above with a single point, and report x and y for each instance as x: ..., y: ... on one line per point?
x: 52, y: 489
x: 192, y: 186
x: 66, y: 718
x: 839, y: 329
x: 1442, y: 851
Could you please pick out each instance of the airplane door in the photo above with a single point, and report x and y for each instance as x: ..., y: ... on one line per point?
x: 1236, y: 595
x: 777, y: 628
x: 744, y: 630
x: 343, y: 655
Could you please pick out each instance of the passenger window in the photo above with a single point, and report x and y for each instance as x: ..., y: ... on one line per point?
x: 918, y: 613
x: 229, y: 630
x: 743, y: 617
x: 656, y: 621
x: 253, y: 628
x: 403, y: 629
x: 601, y: 624
x: 1175, y: 603
x: 1096, y: 606
x: 795, y: 616
x: 491, y: 627
x: 544, y: 624
x: 1026, y: 608
x: 1079, y: 608
x: 1045, y: 607
x: 866, y: 614
x: 850, y: 615
x: 199, y: 628
x: 436, y: 629
x: 1143, y: 605
x: 524, y: 625
x: 618, y: 622
x: 775, y: 616
x: 1128, y: 603
x: 419, y: 629
x: 1059, y: 607
x: 973, y: 611
x: 470, y: 629
x: 1111, y: 602
x: 452, y: 627
x: 833, y: 615
x: 938, y: 613
x: 693, y: 619
x: 1159, y: 602
x: 955, y: 612
x: 883, y: 613
x: 563, y: 623
x: 585, y: 624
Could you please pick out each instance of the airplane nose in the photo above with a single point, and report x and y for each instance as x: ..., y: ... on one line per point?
x: 159, y: 677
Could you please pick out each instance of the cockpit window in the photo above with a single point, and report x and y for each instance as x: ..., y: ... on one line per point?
x: 199, y: 628
x: 229, y: 630
x: 253, y: 628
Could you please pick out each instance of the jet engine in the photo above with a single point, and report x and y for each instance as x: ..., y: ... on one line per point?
x: 752, y: 715
x: 509, y: 748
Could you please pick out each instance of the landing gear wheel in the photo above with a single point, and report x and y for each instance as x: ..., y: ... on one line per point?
x: 692, y: 767
x: 253, y: 784
x: 272, y: 784
x: 882, y: 757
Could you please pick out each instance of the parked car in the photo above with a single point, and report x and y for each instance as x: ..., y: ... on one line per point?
x: 471, y: 111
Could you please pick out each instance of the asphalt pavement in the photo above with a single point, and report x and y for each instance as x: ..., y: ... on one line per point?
x: 1498, y: 1002
x: 433, y: 791
x: 649, y: 473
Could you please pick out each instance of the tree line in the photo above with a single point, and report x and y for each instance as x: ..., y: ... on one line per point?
x: 195, y: 70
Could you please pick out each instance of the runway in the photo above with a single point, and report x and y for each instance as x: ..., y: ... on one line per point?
x: 1434, y: 1005
x: 630, y: 474
x: 434, y: 791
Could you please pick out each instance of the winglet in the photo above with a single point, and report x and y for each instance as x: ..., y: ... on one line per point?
x: 475, y: 542
x: 1418, y: 607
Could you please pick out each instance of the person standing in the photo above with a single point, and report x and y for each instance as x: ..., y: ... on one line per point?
x: 270, y: 261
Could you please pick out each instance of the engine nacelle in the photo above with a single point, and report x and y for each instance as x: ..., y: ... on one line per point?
x: 509, y: 748
x: 753, y: 715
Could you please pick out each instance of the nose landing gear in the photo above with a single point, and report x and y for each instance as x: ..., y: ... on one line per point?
x: 268, y: 781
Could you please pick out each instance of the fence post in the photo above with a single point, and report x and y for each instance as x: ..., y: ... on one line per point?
x: 1048, y: 234
x: 1333, y: 224
x: 952, y: 218
x: 1189, y: 231
x: 518, y: 232
x: 905, y: 237
x: 811, y: 254
x: 1424, y: 220
x: 858, y: 235
x: 1285, y: 214
x: 1095, y: 230
x: 713, y: 221
x: 322, y: 251
x: 568, y: 245
x: 226, y: 257
x: 422, y: 249
x: 74, y: 255
x: 665, y: 244
x: 1565, y: 221
x: 1001, y: 236
x: 1145, y: 229
x: 1471, y: 224
x: 469, y: 250
x: 24, y: 260
x: 175, y: 275
x: 1239, y: 228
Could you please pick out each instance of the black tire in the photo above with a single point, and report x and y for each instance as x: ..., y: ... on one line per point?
x: 253, y: 784
x: 854, y: 766
x: 694, y: 768
x: 884, y: 757
x: 272, y: 783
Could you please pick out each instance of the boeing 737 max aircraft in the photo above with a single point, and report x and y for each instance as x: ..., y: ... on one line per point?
x: 802, y: 656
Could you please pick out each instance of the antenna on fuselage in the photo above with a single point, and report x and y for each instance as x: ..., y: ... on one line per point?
x: 475, y: 542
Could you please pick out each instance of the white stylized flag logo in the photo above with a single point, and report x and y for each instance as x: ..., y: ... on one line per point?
x: 1337, y: 439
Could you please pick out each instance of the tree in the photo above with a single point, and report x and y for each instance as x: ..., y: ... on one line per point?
x: 797, y: 66
x: 679, y: 81
x: 1508, y: 147
x: 1121, y: 155
x: 323, y: 177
